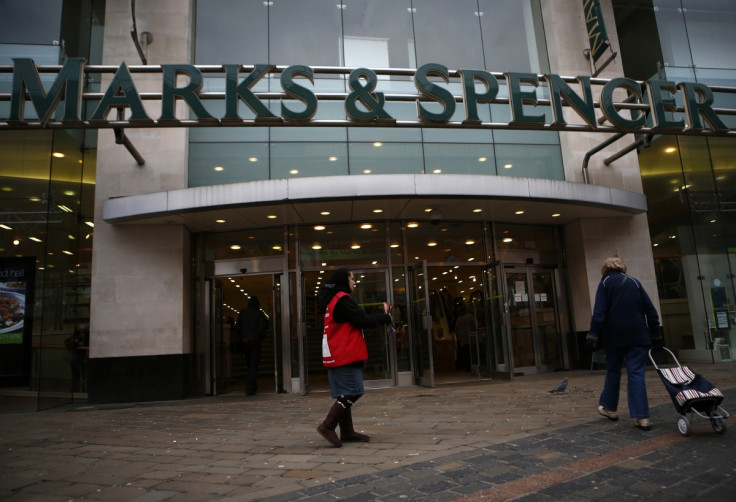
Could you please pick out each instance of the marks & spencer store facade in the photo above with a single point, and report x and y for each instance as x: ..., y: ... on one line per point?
x: 440, y: 150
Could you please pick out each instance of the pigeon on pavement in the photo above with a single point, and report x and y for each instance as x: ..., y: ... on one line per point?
x: 561, y: 387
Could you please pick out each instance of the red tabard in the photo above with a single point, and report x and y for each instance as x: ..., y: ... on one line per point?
x: 342, y: 343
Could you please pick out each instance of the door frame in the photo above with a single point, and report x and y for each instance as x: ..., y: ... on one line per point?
x: 420, y: 325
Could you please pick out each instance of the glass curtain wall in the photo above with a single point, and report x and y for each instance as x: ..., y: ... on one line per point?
x: 690, y: 183
x: 47, y: 180
x: 477, y: 34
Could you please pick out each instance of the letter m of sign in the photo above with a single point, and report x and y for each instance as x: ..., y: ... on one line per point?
x: 26, y: 79
x: 597, y: 36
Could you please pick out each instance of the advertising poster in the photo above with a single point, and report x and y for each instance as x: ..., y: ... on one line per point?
x: 17, y: 282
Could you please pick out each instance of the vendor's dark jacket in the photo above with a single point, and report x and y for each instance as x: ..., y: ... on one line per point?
x: 628, y: 320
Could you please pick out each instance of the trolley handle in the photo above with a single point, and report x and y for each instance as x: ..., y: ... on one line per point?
x: 671, y: 354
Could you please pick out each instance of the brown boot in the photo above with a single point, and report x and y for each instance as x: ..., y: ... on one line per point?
x: 347, y: 432
x: 328, y: 426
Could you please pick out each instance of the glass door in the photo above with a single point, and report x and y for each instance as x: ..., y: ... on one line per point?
x: 420, y: 325
x: 371, y: 291
x: 498, y: 335
x: 546, y: 319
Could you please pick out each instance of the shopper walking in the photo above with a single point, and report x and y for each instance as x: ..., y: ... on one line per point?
x: 343, y: 353
x: 626, y: 324
x: 251, y: 326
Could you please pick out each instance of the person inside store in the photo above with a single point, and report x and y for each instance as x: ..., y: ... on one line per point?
x: 343, y: 353
x: 464, y: 326
x: 251, y: 326
x: 626, y: 324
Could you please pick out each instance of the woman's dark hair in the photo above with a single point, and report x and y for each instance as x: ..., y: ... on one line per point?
x: 339, y: 281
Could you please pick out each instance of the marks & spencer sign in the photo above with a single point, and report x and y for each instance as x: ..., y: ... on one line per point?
x: 627, y: 105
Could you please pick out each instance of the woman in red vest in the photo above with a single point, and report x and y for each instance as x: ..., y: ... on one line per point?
x: 343, y: 353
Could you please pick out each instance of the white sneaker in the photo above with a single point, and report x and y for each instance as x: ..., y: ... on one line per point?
x: 608, y: 413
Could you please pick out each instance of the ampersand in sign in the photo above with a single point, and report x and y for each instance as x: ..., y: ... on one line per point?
x: 364, y: 93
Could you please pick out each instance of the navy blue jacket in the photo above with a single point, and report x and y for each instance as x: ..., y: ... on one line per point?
x: 630, y: 320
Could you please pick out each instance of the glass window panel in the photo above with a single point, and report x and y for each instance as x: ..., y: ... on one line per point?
x: 36, y: 22
x: 459, y: 45
x: 231, y: 31
x: 378, y: 34
x: 447, y: 242
x: 720, y: 99
x: 524, y: 237
x: 386, y: 158
x: 672, y: 33
x: 459, y: 159
x: 530, y: 161
x: 244, y: 244
x: 513, y: 36
x: 290, y: 160
x: 305, y: 32
x: 384, y: 134
x: 343, y: 245
x: 711, y: 27
x: 238, y: 162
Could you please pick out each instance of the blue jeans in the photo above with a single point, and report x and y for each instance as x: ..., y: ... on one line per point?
x: 636, y: 367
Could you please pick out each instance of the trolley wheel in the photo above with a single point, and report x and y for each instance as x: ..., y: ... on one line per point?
x: 719, y: 425
x: 683, y: 425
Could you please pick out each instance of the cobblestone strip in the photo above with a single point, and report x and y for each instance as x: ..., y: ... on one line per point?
x: 571, y: 471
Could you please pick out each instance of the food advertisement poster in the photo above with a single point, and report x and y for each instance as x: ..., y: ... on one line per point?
x: 16, y: 305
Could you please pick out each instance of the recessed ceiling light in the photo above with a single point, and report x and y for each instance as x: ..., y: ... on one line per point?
x: 670, y: 149
x: 394, y: 245
x: 332, y: 159
x: 519, y: 212
x: 413, y: 225
x: 325, y: 213
x: 366, y: 226
x: 235, y: 247
x: 219, y: 221
x: 294, y: 171
x: 367, y: 171
x: 431, y: 244
x: 58, y: 155
x: 355, y: 246
x: 508, y: 166
x: 70, y: 193
x: 5, y: 227
x: 272, y: 217
x: 477, y: 210
x: 437, y: 171
x: 319, y: 227
x: 378, y: 210
x: 219, y: 168
x: 35, y: 239
x: 316, y: 245
x: 482, y: 159
x: 469, y: 242
x: 556, y: 215
x: 276, y: 247
x: 377, y: 144
x: 253, y: 159
x: 508, y: 239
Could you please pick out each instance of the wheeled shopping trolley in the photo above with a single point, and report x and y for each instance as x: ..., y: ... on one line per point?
x: 692, y: 395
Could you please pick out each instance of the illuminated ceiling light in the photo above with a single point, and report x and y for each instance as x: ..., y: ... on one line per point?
x: 670, y: 149
x: 378, y: 210
x: 253, y: 159
x: 319, y: 227
x: 68, y: 252
x: 519, y: 212
x: 294, y: 171
x: 276, y: 247
x: 367, y: 171
x: 431, y: 244
x: 316, y: 245
x: 219, y: 168
x: 235, y: 247
x: 471, y: 259
x: 70, y: 193
x: 332, y: 159
x: 366, y: 226
x: 508, y: 166
x: 394, y: 245
x: 16, y: 242
x: 655, y: 245
x: 374, y: 262
x: 556, y: 215
x: 219, y: 221
x: 90, y: 224
x: 508, y: 239
x: 7, y: 189
x: 34, y: 199
x: 355, y: 246
x: 325, y: 213
x: 712, y: 221
x: 477, y: 210
x: 437, y: 171
x: 672, y: 237
x: 58, y: 155
x: 482, y: 159
x: 5, y: 227
x: 35, y: 239
x: 271, y: 216
x: 378, y: 144
x: 469, y: 242
x: 64, y: 208
x: 413, y: 225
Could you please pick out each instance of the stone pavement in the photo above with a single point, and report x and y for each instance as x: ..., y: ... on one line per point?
x: 484, y: 441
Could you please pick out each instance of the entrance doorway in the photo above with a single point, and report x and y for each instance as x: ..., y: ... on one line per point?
x: 230, y: 367
x: 533, y: 319
x: 371, y: 291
